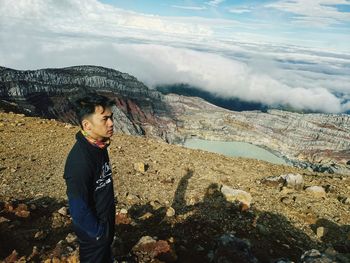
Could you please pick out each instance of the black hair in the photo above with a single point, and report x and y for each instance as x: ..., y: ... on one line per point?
x: 86, y: 105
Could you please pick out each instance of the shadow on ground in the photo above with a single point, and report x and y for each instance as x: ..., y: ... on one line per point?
x: 195, y: 228
x: 20, y: 231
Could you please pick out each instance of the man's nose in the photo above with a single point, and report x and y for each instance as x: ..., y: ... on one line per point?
x: 110, y: 122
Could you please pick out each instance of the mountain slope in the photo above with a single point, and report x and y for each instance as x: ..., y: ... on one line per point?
x: 281, y: 221
x: 320, y: 142
x: 48, y: 93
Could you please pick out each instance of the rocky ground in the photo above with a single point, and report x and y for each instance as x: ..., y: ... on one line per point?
x: 174, y: 204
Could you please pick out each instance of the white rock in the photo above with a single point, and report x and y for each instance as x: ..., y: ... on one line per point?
x: 233, y: 195
x: 170, y: 212
x: 123, y: 211
x: 71, y: 237
x: 3, y: 219
x: 295, y: 181
x: 317, y: 191
x: 320, y: 231
x: 63, y: 211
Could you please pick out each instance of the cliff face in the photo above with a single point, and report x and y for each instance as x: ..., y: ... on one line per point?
x: 320, y: 142
x: 47, y: 93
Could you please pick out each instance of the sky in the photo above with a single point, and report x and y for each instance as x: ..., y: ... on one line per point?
x: 276, y: 52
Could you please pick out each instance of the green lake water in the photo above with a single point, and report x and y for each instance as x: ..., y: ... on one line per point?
x: 234, y: 149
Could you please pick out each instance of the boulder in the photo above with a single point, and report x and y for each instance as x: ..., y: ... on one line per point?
x: 316, y: 191
x: 228, y: 248
x: 292, y: 181
x: 236, y: 195
x: 295, y: 181
x: 148, y: 250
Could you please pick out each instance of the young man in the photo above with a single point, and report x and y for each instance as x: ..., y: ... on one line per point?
x: 89, y: 181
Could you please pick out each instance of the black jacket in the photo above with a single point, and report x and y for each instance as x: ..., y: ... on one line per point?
x: 90, y: 192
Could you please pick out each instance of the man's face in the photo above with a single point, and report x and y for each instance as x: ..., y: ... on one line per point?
x: 99, y: 125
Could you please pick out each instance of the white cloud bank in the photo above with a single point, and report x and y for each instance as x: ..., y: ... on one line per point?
x: 314, y: 12
x: 157, y: 50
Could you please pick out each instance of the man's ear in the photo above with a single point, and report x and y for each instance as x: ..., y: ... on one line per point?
x: 86, y: 125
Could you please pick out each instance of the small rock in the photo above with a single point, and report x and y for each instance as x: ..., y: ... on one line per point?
x: 122, y: 219
x: 344, y: 200
x: 34, y: 257
x: 229, y: 247
x: 273, y: 181
x: 320, y: 231
x: 21, y: 207
x: 58, y: 250
x: 123, y: 211
x: 316, y: 191
x: 148, y: 250
x: 3, y: 219
x: 12, y: 257
x: 8, y: 207
x: 63, y: 211
x: 155, y: 204
x: 22, y: 213
x: 73, y: 259
x: 146, y: 216
x: 132, y: 198
x: 58, y: 220
x: 286, y: 246
x: 140, y: 167
x: 315, y: 256
x: 233, y: 195
x: 286, y: 200
x: 170, y: 212
x: 330, y: 188
x: 71, y: 238
x: 40, y: 235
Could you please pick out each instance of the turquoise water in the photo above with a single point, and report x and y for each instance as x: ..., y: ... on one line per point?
x: 235, y: 149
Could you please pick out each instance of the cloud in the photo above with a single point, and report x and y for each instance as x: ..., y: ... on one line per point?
x: 215, y: 2
x: 319, y: 12
x: 92, y: 17
x: 239, y: 10
x: 194, y: 8
x: 43, y: 34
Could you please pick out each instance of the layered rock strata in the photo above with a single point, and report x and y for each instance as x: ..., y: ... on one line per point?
x: 320, y: 142
x: 49, y: 93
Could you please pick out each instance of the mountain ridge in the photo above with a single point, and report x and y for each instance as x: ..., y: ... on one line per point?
x: 320, y: 142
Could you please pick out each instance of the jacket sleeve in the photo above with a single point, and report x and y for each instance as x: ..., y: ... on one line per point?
x: 80, y: 183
